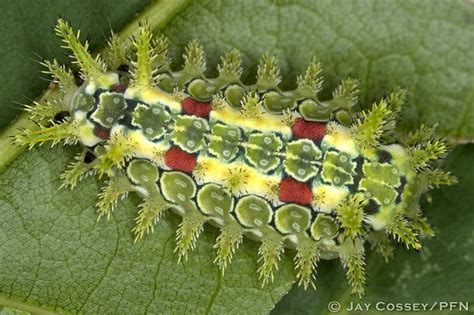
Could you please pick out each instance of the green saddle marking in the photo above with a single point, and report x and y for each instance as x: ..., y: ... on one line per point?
x: 385, y: 173
x: 151, y: 120
x: 188, y: 133
x: 301, y: 170
x: 338, y: 168
x: 276, y: 103
x: 253, y: 211
x: 380, y: 192
x: 110, y: 109
x: 225, y: 143
x: 312, y: 111
x: 166, y: 82
x: 300, y: 158
x: 178, y: 187
x: 201, y: 90
x: 213, y: 200
x: 233, y: 95
x: 261, y: 149
x: 341, y: 160
x: 292, y: 219
x: 142, y: 172
x: 344, y: 117
x: 335, y: 175
x: 324, y: 227
x: 83, y: 102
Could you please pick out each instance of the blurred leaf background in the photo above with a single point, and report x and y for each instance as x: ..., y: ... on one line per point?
x: 53, y: 253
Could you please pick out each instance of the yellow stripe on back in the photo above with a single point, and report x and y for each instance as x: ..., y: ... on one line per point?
x: 266, y: 122
x: 211, y: 170
x: 153, y: 96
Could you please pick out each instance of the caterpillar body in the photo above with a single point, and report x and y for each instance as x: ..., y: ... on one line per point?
x: 280, y: 167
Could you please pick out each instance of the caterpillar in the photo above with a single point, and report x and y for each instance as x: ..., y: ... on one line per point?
x: 283, y: 168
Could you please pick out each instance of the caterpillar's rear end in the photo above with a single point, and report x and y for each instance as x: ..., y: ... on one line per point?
x: 281, y: 167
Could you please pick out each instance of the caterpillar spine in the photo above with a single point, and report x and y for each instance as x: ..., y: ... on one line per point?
x: 280, y: 167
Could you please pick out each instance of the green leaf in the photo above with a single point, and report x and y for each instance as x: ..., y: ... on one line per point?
x: 441, y: 272
x: 53, y: 253
x: 27, y: 37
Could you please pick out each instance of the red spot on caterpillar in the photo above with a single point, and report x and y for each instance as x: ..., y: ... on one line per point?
x: 308, y: 129
x: 180, y: 160
x: 194, y: 107
x: 292, y: 190
x: 102, y: 132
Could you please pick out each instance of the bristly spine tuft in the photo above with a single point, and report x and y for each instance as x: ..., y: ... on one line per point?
x: 117, y: 52
x: 76, y: 171
x: 400, y: 229
x: 45, y: 110
x: 194, y: 59
x: 118, y: 151
x: 66, y: 132
x: 187, y: 234
x: 350, y: 214
x: 61, y: 75
x: 270, y: 254
x: 143, y: 73
x: 424, y: 154
x: 226, y: 244
x: 346, y: 95
x: 311, y: 82
x: 306, y: 259
x: 371, y: 125
x: 353, y: 259
x: 161, y: 60
x: 116, y: 188
x: 230, y: 67
x: 151, y: 210
x: 92, y: 68
x: 251, y: 106
x: 268, y: 73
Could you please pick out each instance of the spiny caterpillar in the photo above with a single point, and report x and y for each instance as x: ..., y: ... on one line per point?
x: 281, y: 167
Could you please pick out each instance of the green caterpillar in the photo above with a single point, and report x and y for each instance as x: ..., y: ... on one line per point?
x: 280, y: 167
